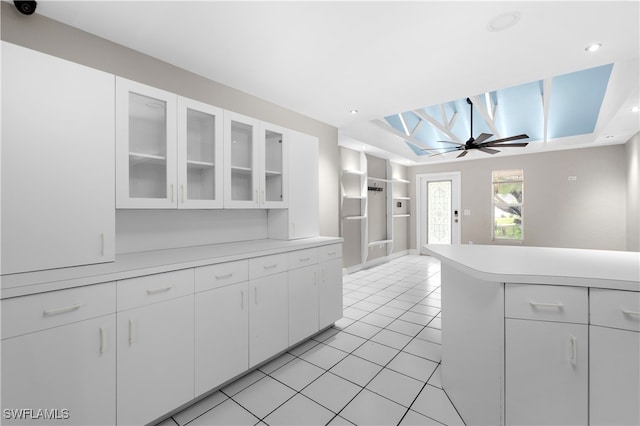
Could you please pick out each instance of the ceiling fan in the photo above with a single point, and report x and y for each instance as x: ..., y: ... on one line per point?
x: 480, y: 143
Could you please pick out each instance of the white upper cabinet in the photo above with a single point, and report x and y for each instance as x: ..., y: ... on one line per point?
x: 145, y: 146
x: 57, y: 162
x: 169, y: 149
x: 255, y: 163
x: 199, y: 155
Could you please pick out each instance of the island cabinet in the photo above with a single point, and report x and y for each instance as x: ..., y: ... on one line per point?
x: 168, y: 149
x: 614, y: 370
x: 155, y: 346
x: 57, y: 162
x: 221, y: 323
x: 546, y: 355
x: 59, y: 354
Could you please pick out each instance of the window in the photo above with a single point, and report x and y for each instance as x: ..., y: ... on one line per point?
x: 508, y: 222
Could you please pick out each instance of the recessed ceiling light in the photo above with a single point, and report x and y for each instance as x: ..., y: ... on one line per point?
x: 353, y: 111
x: 593, y: 47
x: 504, y: 21
x: 635, y: 109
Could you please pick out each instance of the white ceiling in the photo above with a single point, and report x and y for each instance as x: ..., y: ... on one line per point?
x: 324, y: 59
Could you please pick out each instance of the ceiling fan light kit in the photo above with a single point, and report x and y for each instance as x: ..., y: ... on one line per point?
x: 479, y: 142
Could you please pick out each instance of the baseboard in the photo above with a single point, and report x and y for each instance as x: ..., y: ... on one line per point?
x: 375, y: 262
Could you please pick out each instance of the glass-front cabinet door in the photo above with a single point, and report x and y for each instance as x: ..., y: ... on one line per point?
x: 145, y: 146
x: 241, y: 152
x: 274, y: 140
x: 199, y: 155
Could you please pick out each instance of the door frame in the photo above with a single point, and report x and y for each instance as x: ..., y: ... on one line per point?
x: 421, y: 205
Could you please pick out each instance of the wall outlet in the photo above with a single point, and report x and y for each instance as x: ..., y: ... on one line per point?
x: 467, y: 212
x: 572, y: 178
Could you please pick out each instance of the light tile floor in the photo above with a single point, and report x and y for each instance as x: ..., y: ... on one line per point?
x: 379, y: 365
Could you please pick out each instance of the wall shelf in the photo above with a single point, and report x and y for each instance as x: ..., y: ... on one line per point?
x: 401, y: 197
x: 375, y: 179
x: 399, y: 180
x: 354, y: 217
x: 380, y: 242
x: 353, y: 172
x: 402, y: 215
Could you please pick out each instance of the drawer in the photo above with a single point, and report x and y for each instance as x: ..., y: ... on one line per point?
x: 547, y: 303
x: 302, y: 258
x: 615, y: 308
x: 220, y: 275
x: 331, y: 252
x: 37, y: 312
x: 155, y: 288
x: 267, y: 265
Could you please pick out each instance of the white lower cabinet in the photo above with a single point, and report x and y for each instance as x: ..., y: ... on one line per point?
x: 330, y: 285
x: 546, y: 373
x: 67, y: 371
x: 268, y: 317
x: 221, y: 335
x: 303, y: 303
x: 155, y: 370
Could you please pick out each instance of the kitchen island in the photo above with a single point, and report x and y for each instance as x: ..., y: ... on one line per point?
x: 534, y: 335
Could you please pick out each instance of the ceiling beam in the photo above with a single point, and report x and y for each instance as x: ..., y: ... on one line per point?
x: 481, y: 108
x: 387, y: 127
x: 438, y: 125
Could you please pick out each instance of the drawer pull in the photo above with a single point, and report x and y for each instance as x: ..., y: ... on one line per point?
x: 332, y: 253
x: 102, y: 343
x: 546, y: 305
x: 574, y: 351
x: 131, y: 333
x: 159, y: 290
x: 270, y: 266
x: 631, y: 313
x: 225, y: 276
x: 242, y: 299
x: 50, y: 312
x: 305, y: 259
x: 255, y: 295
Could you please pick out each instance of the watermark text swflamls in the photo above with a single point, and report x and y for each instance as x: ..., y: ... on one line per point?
x: 35, y: 414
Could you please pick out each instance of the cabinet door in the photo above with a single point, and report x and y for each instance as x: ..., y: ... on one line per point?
x: 155, y: 360
x: 199, y: 155
x: 71, y: 368
x: 274, y: 165
x: 614, y: 376
x: 145, y: 146
x: 221, y: 335
x: 546, y: 370
x: 330, y: 292
x: 57, y: 162
x: 241, y: 161
x: 303, y: 303
x: 268, y: 317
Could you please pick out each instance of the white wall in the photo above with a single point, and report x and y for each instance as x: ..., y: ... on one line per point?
x: 48, y: 36
x: 632, y: 154
x: 590, y: 212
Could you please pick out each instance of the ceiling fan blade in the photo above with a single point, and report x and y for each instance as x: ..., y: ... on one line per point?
x: 506, y: 145
x: 462, y: 154
x: 454, y: 143
x: 483, y: 137
x: 488, y: 150
x: 511, y: 138
x: 447, y: 148
x: 440, y: 153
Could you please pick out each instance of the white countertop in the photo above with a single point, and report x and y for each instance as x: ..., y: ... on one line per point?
x: 149, y: 262
x: 543, y: 265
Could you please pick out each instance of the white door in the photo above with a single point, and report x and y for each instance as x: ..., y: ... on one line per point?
x: 438, y: 198
x: 303, y: 303
x: 330, y: 293
x: 241, y: 161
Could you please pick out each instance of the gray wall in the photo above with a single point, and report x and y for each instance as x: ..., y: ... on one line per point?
x: 589, y: 212
x: 632, y: 153
x: 48, y: 36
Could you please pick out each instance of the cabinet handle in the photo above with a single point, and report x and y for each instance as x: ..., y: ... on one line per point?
x: 270, y: 266
x: 102, y: 344
x: 630, y: 313
x: 102, y: 244
x: 305, y: 259
x: 263, y: 197
x: 182, y: 190
x: 255, y: 295
x: 332, y: 253
x: 222, y: 277
x: 131, y: 332
x: 574, y: 351
x: 324, y: 274
x: 241, y: 299
x: 158, y: 290
x: 546, y: 305
x: 50, y: 312
x: 315, y: 277
x: 257, y: 197
x: 171, y: 191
